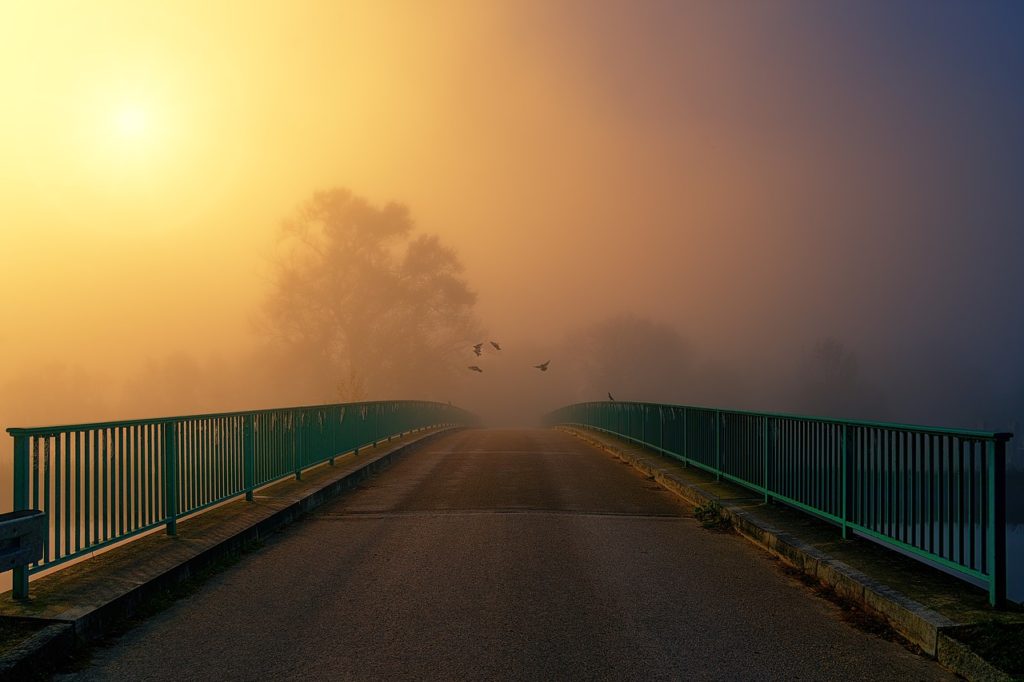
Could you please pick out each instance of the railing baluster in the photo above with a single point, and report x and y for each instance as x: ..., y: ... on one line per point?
x: 996, y: 461
x: 248, y: 456
x: 81, y: 505
x: 67, y: 494
x: 964, y: 516
x: 21, y: 501
x: 847, y: 467
x: 46, y: 492
x: 170, y: 448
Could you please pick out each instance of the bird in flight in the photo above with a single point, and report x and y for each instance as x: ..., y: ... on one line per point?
x: 475, y: 368
x: 610, y: 396
x: 496, y: 346
x: 476, y: 349
x: 543, y: 366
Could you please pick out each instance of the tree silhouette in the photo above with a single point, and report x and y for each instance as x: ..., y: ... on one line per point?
x: 362, y: 306
x: 832, y: 384
x: 836, y: 367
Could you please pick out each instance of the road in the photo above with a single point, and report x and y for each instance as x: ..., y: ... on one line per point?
x: 503, y: 554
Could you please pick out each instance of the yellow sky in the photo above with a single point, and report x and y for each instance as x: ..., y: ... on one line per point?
x: 235, y: 113
x: 246, y: 111
x: 749, y: 174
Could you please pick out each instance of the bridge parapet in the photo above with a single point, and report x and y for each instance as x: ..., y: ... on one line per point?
x: 937, y: 494
x: 103, y: 483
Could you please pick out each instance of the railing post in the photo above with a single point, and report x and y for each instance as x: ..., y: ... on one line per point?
x: 171, y: 475
x: 297, y: 450
x: 765, y: 456
x: 376, y: 424
x: 21, y: 484
x: 248, y: 455
x: 686, y: 448
x: 997, y: 520
x: 718, y: 445
x: 661, y: 428
x: 847, y: 483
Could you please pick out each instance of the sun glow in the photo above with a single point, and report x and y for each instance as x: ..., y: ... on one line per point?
x: 131, y: 121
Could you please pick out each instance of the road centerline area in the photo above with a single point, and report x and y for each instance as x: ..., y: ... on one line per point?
x: 357, y: 515
x: 503, y: 554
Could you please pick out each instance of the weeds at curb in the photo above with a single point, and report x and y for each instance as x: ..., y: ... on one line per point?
x: 850, y: 612
x: 711, y: 517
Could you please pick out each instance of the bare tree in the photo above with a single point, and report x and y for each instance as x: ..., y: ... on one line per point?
x: 362, y: 306
x: 832, y: 384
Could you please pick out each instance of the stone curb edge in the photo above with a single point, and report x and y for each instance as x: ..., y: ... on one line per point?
x: 959, y: 658
x: 29, y: 660
x: 914, y: 621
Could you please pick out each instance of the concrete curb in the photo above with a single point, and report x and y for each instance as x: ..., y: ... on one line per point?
x: 37, y: 655
x: 960, y: 659
x: 56, y: 642
x: 914, y: 621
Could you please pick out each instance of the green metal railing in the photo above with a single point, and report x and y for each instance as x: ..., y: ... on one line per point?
x: 937, y: 494
x: 103, y: 483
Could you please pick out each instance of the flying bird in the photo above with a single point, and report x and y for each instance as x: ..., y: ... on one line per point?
x: 543, y: 366
x: 476, y: 349
x: 475, y: 368
x: 610, y: 396
x: 496, y: 346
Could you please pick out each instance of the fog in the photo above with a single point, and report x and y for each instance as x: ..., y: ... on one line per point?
x: 792, y: 207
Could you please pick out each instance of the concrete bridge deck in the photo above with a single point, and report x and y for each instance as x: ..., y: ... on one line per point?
x: 517, y: 554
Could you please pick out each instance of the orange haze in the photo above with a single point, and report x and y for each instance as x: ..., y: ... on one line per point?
x: 747, y: 176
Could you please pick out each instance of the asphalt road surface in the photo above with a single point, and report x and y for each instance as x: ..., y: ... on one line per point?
x: 503, y: 554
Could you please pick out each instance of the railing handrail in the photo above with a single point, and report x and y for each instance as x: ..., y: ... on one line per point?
x: 919, y: 428
x: 104, y: 482
x: 85, y: 426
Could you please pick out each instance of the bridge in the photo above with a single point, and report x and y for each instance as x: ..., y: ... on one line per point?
x: 614, y: 544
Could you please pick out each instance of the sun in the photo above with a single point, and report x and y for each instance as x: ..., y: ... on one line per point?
x: 125, y: 138
x: 131, y: 121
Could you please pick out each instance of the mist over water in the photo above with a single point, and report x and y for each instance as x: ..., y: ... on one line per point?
x: 788, y: 208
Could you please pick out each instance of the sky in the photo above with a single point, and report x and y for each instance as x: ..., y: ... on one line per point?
x: 759, y: 176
